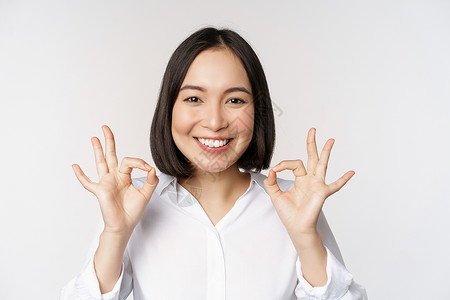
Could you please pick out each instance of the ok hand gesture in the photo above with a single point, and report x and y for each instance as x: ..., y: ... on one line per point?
x: 299, y: 208
x: 121, y: 204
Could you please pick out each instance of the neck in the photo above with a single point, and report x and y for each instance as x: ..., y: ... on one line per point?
x: 221, y: 187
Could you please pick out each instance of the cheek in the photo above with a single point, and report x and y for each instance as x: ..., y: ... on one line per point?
x: 181, y: 121
x: 247, y: 122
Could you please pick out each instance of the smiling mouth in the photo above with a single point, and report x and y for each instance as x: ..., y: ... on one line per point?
x: 213, y: 143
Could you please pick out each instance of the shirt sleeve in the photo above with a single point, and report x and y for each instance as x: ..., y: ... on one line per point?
x: 86, y: 286
x: 340, y: 283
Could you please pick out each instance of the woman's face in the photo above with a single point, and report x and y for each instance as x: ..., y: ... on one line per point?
x: 213, y: 115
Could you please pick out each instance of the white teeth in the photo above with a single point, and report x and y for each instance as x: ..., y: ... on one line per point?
x: 213, y: 143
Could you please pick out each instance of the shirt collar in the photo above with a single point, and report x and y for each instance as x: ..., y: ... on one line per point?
x: 165, y: 180
x: 169, y: 182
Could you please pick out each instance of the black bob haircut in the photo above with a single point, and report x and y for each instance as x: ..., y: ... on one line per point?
x: 166, y: 156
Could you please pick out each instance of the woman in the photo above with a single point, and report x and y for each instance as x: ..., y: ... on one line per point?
x: 204, y: 229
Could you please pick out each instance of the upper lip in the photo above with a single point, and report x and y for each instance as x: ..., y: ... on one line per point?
x: 213, y: 137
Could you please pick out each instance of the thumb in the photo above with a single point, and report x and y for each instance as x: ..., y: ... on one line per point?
x: 150, y: 184
x: 271, y: 185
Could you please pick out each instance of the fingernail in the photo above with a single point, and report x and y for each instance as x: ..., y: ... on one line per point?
x: 148, y: 167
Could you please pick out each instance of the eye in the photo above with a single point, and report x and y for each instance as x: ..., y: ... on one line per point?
x: 235, y: 100
x: 192, y: 99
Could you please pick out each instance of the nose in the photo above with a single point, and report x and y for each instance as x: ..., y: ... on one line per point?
x: 215, y: 118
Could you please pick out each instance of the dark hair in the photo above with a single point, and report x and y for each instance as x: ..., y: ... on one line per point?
x: 166, y: 156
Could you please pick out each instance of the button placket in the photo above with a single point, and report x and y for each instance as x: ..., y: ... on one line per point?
x: 215, y: 266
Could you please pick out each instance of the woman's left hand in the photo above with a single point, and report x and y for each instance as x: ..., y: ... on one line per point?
x: 299, y: 207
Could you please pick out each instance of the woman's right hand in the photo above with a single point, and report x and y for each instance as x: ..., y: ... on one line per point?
x: 121, y: 204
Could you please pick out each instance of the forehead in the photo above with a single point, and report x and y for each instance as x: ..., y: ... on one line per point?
x: 217, y: 69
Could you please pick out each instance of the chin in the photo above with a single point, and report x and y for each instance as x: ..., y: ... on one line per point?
x: 214, y: 168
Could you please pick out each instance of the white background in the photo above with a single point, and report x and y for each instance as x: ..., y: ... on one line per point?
x: 374, y: 75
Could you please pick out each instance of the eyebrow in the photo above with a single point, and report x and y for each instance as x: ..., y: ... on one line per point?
x: 230, y: 90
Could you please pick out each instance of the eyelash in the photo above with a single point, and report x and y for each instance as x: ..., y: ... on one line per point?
x: 187, y: 100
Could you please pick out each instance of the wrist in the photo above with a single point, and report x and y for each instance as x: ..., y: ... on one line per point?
x: 304, y: 241
x: 117, y: 232
x: 115, y: 238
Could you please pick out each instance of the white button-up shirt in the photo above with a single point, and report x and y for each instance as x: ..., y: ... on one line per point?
x: 175, y: 252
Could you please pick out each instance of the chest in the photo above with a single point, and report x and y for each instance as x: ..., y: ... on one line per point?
x: 174, y: 254
x: 216, y: 213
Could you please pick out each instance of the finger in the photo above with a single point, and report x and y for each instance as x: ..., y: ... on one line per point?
x: 271, y: 185
x: 110, y: 153
x: 296, y: 166
x: 313, y: 156
x: 150, y: 184
x: 338, y: 184
x: 129, y: 163
x: 100, y: 162
x: 321, y: 169
x: 83, y: 179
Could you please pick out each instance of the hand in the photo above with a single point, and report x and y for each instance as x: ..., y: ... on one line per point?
x: 299, y: 208
x: 121, y: 204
